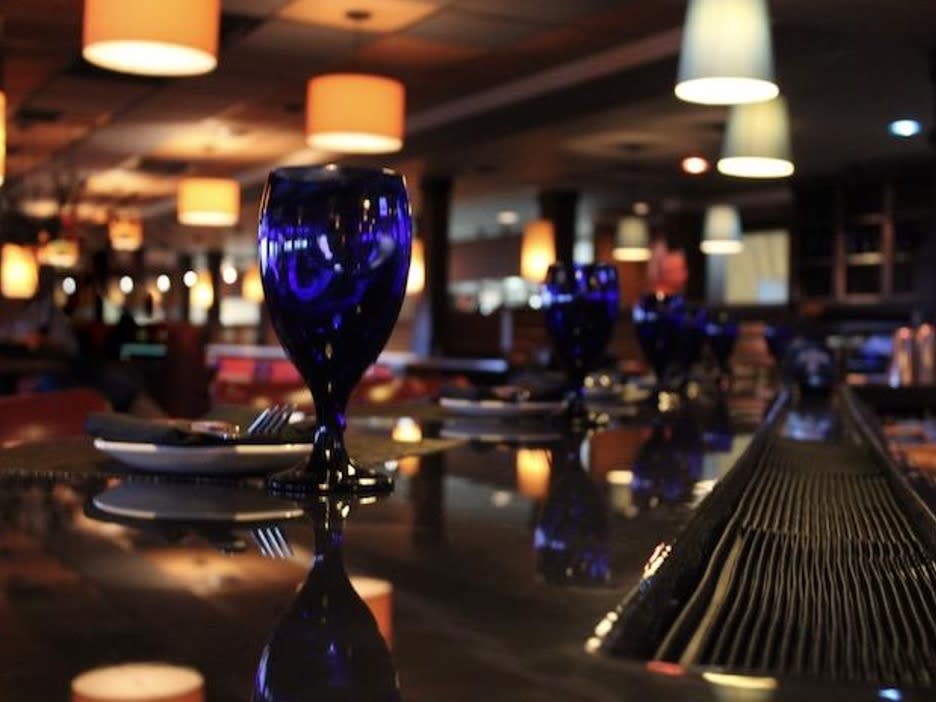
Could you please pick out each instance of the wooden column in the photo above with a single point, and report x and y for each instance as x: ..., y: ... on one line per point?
x: 185, y: 294
x: 213, y: 320
x: 559, y: 207
x: 683, y: 229
x: 434, y: 228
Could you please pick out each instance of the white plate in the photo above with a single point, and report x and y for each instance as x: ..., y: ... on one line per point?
x: 499, y: 408
x: 208, y: 460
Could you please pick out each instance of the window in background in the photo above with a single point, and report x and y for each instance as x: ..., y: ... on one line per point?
x: 759, y: 275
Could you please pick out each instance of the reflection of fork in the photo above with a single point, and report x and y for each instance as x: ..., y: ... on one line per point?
x: 272, y: 542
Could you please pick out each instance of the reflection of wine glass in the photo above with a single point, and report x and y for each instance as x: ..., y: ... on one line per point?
x: 571, y: 537
x: 334, y: 248
x: 581, y: 304
x: 722, y: 334
x: 327, y: 646
x: 659, y: 320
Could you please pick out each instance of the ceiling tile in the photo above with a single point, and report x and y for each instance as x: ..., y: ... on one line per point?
x: 547, y: 11
x: 402, y: 52
x: 253, y: 8
x: 281, y: 49
x: 386, y: 15
x: 472, y: 29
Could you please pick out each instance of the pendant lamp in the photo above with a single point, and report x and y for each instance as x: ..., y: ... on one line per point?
x: 757, y: 141
x: 726, y: 57
x: 416, y: 280
x: 125, y: 233
x: 19, y: 272
x: 251, y: 285
x: 538, y: 249
x: 632, y: 241
x: 152, y: 37
x: 209, y: 202
x: 722, y: 231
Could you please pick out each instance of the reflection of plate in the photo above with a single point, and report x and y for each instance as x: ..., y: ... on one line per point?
x: 499, y: 408
x: 217, y: 460
x: 194, y: 503
x: 496, y: 433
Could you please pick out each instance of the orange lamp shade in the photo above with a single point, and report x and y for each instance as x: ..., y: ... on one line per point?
x: 19, y: 272
x: 251, y: 285
x: 152, y: 37
x: 378, y: 596
x: 59, y: 253
x: 203, y: 291
x: 538, y: 251
x: 125, y: 234
x: 355, y: 113
x: 209, y: 202
x: 140, y: 682
x: 533, y: 473
x: 416, y: 280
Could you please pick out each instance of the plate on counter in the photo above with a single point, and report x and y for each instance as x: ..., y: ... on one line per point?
x: 246, y: 459
x: 500, y: 408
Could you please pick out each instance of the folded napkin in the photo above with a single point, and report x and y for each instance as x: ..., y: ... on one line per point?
x: 123, y: 427
x: 523, y: 388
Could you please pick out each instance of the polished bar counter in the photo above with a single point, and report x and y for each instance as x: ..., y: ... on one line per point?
x: 577, y: 568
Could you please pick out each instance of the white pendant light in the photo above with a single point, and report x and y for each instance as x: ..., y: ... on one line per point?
x: 152, y: 37
x: 538, y: 249
x: 757, y: 141
x: 632, y: 241
x: 722, y: 231
x: 209, y: 202
x: 19, y: 272
x: 727, y: 56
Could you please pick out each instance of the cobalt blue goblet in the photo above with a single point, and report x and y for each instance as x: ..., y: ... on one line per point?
x: 334, y: 246
x: 660, y: 322
x: 581, y: 305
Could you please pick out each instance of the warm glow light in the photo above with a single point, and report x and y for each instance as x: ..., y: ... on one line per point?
x: 163, y: 283
x: 538, y: 250
x: 59, y: 253
x: 507, y: 218
x: 152, y: 37
x: 533, y: 473
x: 190, y: 278
x: 694, y: 165
x: 228, y: 274
x: 126, y: 284
x: 378, y: 596
x: 722, y: 231
x: 641, y: 208
x: 125, y: 233
x: 252, y: 285
x: 209, y: 202
x: 139, y: 682
x: 203, y: 291
x: 416, y: 280
x: 727, y: 56
x: 355, y: 113
x: 407, y: 430
x: 757, y: 141
x: 741, y: 682
x: 632, y: 241
x: 19, y: 272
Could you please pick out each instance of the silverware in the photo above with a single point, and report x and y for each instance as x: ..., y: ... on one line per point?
x: 272, y: 542
x: 267, y: 423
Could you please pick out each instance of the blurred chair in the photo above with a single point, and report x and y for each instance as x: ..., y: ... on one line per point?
x: 49, y: 415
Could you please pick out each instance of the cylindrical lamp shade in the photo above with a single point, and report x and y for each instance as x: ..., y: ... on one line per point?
x: 202, y: 295
x: 209, y: 202
x: 538, y: 250
x: 726, y: 57
x: 125, y: 233
x: 757, y: 141
x: 59, y: 253
x: 533, y: 473
x: 722, y: 232
x: 355, y: 113
x: 19, y: 272
x: 152, y: 37
x: 139, y: 682
x: 252, y: 285
x: 632, y: 242
x: 378, y: 596
x: 416, y: 280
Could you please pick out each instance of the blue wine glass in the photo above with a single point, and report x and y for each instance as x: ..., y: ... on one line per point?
x: 722, y: 333
x: 334, y: 246
x: 581, y: 305
x: 660, y: 322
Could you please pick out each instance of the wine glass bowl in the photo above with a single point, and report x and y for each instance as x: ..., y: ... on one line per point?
x: 581, y: 306
x: 660, y: 321
x: 334, y: 247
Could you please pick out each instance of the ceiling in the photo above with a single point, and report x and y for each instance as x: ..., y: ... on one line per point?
x: 507, y: 97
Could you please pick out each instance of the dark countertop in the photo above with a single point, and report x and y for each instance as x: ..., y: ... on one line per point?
x: 474, y: 619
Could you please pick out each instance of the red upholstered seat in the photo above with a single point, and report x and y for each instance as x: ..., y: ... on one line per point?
x: 48, y: 415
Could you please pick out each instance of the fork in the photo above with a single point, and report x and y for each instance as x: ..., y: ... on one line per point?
x: 271, y: 420
x: 272, y: 542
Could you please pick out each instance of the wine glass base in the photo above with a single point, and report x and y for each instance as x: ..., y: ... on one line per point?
x: 300, y: 482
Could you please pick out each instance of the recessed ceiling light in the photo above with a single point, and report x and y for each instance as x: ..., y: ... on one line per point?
x: 126, y: 285
x: 904, y: 127
x: 694, y: 165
